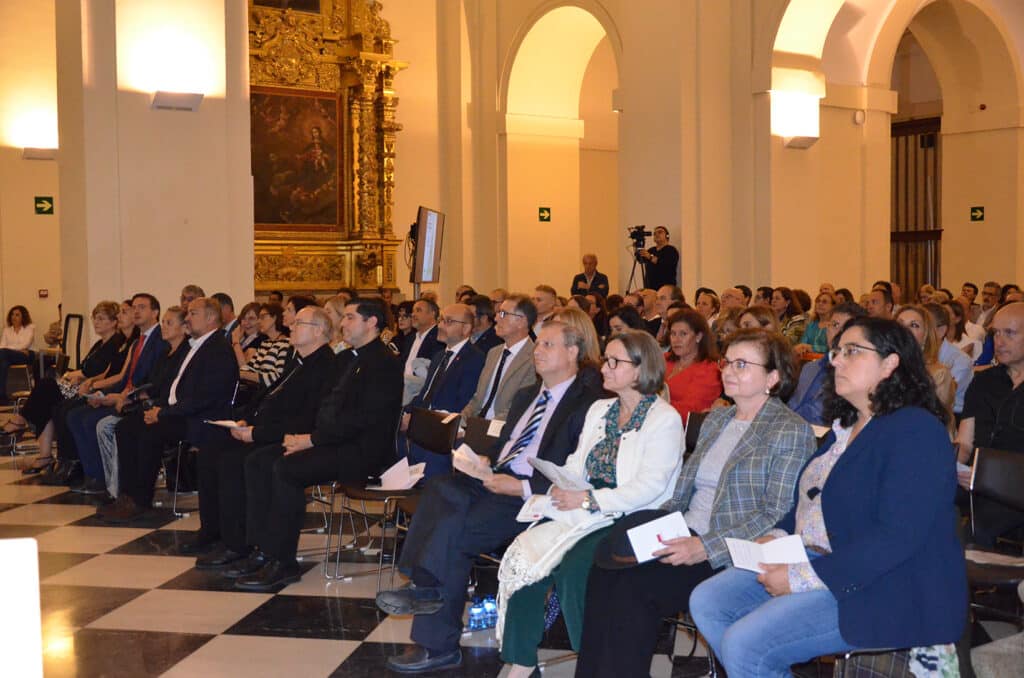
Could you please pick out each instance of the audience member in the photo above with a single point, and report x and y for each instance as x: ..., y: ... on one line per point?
x: 989, y: 301
x: 844, y: 296
x: 289, y: 405
x: 879, y: 303
x: 747, y: 294
x: 598, y: 313
x: 613, y: 302
x: 228, y: 320
x: 189, y: 293
x: 661, y: 262
x: 140, y: 356
x: 174, y: 333
x: 15, y: 344
x: 960, y: 366
x: 649, y: 311
x: 709, y: 305
x: 403, y: 322
x: 1005, y: 290
x: 919, y: 321
x: 459, y: 516
x: 429, y: 295
x: 484, y: 336
x: 874, y: 509
x: 989, y: 418
x: 628, y: 473
x: 719, y: 499
x: 335, y: 310
x: 41, y: 405
x: 728, y: 321
x: 461, y: 291
x: 808, y: 400
x: 498, y: 295
x: 275, y: 297
x: 267, y: 363
x: 352, y: 439
x: 827, y: 287
x: 202, y: 390
x: 509, y: 366
x: 924, y: 294
x: 247, y: 333
x: 733, y: 297
x: 941, y: 296
x: 969, y: 291
x: 789, y: 314
x: 625, y: 318
x: 451, y: 380
x: 591, y: 280
x: 968, y: 342
x: 759, y: 315
x: 691, y: 363
x: 419, y: 347
x: 813, y: 339
x: 763, y: 296
x: 545, y: 299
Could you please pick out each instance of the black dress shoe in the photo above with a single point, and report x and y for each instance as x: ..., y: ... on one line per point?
x: 411, y: 599
x: 273, y: 574
x: 218, y: 558
x: 64, y: 472
x: 91, y: 486
x: 417, y: 659
x: 243, y: 568
x: 198, y: 545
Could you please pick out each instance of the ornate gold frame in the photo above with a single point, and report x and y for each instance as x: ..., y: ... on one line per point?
x: 347, y: 51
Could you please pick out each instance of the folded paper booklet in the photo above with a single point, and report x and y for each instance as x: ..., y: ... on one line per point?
x: 785, y: 550
x: 558, y: 476
x: 467, y: 461
x: 651, y: 536
x: 223, y: 423
x: 401, y: 476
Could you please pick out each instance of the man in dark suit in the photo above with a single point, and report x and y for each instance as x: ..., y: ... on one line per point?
x: 485, y: 336
x: 353, y: 438
x: 80, y: 439
x: 590, y: 281
x: 419, y: 346
x: 451, y: 381
x: 459, y: 517
x: 289, y: 405
x: 201, y: 390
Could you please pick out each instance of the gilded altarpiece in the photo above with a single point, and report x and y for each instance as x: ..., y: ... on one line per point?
x: 323, y: 144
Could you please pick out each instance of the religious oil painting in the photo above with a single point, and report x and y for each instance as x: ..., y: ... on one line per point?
x: 295, y: 158
x: 301, y: 5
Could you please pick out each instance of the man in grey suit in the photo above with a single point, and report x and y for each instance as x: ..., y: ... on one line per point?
x: 509, y: 366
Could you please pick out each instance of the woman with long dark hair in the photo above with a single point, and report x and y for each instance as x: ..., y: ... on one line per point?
x: 874, y: 510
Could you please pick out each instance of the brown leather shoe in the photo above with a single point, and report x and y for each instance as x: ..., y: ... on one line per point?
x: 127, y: 511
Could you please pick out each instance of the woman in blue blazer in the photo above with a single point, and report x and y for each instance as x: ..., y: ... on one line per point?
x: 874, y: 509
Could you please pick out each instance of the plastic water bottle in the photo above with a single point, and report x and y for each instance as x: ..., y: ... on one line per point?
x: 490, y: 612
x: 477, y: 616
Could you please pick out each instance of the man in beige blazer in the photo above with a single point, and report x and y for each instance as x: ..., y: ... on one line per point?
x: 509, y: 366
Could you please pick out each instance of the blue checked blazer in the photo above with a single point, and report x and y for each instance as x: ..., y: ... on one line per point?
x: 756, y: 488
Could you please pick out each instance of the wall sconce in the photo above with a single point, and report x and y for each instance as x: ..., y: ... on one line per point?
x: 39, y: 154
x: 176, y: 101
x: 795, y: 118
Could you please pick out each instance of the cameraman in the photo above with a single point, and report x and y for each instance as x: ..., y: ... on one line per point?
x: 661, y: 261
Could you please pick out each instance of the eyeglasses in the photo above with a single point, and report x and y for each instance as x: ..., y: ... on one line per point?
x: 849, y: 351
x: 739, y: 364
x: 306, y: 322
x: 505, y: 314
x: 449, y: 321
x: 612, y: 362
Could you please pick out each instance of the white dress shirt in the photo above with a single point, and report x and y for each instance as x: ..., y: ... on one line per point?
x: 416, y: 343
x: 172, y: 398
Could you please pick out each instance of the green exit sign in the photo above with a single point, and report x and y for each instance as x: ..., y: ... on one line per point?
x: 978, y: 214
x: 543, y: 214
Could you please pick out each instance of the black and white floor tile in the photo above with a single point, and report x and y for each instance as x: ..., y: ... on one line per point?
x: 121, y: 601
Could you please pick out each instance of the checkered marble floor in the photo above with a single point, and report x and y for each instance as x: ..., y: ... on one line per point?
x: 121, y: 601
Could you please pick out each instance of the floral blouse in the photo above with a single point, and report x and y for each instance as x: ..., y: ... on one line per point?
x: 600, y: 462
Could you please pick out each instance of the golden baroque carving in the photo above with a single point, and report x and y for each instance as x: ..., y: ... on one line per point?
x: 289, y: 266
x: 287, y: 48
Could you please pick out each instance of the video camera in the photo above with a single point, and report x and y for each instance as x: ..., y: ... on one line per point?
x: 638, y: 236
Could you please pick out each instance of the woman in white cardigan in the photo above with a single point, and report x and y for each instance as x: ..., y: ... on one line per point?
x: 630, y: 451
x: 15, y: 344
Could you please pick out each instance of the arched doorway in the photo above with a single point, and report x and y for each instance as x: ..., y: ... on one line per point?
x: 559, y: 148
x: 844, y: 52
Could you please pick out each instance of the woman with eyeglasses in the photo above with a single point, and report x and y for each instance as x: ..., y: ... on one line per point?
x: 266, y: 365
x: 629, y: 451
x: 874, y: 510
x: 738, y: 483
x: 691, y: 363
x: 246, y: 336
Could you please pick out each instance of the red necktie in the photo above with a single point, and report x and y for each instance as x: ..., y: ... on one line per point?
x: 135, y: 359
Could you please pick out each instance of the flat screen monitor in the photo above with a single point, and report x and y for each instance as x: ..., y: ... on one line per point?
x: 429, y: 234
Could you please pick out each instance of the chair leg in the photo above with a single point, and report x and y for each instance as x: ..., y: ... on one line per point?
x: 330, y: 532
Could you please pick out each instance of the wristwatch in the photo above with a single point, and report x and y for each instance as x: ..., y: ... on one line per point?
x: 586, y: 503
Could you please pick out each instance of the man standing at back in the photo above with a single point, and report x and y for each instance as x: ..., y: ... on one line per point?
x: 661, y: 262
x: 591, y: 280
x: 459, y: 517
x: 509, y: 366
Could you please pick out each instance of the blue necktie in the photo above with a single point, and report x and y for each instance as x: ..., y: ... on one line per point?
x: 529, y: 432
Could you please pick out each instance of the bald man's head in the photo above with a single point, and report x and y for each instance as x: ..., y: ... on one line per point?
x: 1008, y: 335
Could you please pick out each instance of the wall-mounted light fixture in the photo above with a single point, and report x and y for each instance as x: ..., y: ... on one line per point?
x: 795, y: 106
x: 39, y: 154
x: 176, y: 101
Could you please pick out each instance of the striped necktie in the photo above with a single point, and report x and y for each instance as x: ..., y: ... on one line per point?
x: 528, y: 432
